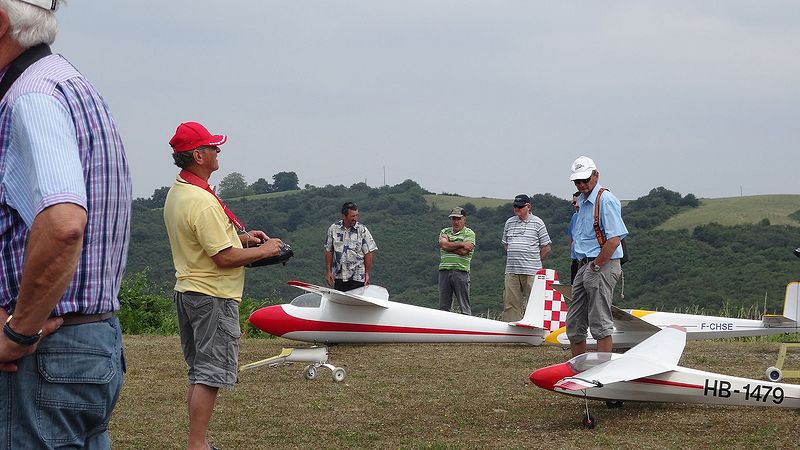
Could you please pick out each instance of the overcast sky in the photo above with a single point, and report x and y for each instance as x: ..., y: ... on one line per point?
x: 482, y: 98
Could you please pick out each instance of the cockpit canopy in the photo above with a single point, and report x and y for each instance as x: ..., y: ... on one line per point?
x: 307, y: 300
x: 586, y: 361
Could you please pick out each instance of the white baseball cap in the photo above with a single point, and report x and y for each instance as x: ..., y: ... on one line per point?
x: 45, y: 4
x: 582, y: 168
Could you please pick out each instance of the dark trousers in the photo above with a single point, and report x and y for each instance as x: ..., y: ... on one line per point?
x: 348, y: 285
x: 454, y: 283
x: 574, y: 269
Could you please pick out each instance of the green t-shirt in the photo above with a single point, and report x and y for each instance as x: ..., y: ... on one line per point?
x: 450, y: 260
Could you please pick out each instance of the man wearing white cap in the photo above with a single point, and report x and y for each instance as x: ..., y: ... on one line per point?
x: 597, y: 247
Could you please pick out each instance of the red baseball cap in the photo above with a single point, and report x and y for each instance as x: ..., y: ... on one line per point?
x: 191, y: 135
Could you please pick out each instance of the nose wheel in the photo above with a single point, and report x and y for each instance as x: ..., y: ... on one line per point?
x: 589, y: 421
x: 338, y: 373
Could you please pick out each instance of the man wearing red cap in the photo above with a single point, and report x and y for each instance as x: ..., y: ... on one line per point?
x: 209, y: 263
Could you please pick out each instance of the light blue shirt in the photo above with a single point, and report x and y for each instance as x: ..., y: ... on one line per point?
x: 584, y: 241
x: 43, y: 166
x: 571, y: 225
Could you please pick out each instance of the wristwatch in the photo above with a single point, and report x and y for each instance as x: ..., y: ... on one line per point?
x: 594, y: 267
x: 20, y: 339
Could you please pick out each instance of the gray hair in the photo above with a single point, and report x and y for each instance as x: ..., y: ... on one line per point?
x: 30, y: 25
x: 183, y: 159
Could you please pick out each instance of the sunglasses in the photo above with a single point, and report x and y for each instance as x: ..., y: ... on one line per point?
x: 583, y: 181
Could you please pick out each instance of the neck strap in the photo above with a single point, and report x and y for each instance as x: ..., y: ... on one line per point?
x: 203, y: 184
x: 21, y: 63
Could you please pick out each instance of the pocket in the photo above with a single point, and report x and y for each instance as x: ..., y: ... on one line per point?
x: 75, y: 392
x: 226, y: 339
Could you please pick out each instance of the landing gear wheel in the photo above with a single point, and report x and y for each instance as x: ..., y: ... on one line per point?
x: 310, y: 372
x: 774, y: 374
x: 339, y: 374
x: 589, y: 421
x: 614, y: 403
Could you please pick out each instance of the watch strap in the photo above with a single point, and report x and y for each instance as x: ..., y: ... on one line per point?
x: 20, y: 339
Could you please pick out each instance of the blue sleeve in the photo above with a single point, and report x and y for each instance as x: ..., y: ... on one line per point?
x: 43, y: 165
x: 611, y: 217
x: 571, y: 225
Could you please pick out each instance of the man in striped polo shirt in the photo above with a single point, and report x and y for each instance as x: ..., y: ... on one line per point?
x: 527, y: 243
x: 65, y: 200
x: 456, y: 244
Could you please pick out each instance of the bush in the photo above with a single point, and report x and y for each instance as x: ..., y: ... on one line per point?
x: 144, y: 310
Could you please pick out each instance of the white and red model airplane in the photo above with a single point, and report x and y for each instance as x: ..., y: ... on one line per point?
x: 365, y: 315
x: 650, y: 372
x: 632, y: 326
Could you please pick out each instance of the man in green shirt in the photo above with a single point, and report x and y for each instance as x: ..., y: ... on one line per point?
x: 457, y: 244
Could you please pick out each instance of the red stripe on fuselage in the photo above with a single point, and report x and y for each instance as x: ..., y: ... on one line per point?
x: 274, y: 320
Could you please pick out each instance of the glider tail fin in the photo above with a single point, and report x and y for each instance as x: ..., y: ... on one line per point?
x: 791, y: 304
x: 546, y: 309
x: 791, y: 310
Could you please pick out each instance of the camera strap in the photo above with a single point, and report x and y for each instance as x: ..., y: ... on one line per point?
x: 20, y: 63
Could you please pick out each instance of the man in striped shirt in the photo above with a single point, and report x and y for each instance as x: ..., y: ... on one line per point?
x: 527, y: 243
x: 456, y: 244
x: 65, y: 199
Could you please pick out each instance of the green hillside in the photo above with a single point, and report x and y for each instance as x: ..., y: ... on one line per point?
x: 739, y: 211
x: 448, y: 202
x: 710, y: 266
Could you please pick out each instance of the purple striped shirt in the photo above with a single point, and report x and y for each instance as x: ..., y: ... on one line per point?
x: 59, y: 144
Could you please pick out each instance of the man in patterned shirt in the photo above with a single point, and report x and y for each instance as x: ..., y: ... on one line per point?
x: 348, y: 251
x: 65, y: 201
x: 527, y: 243
x: 456, y: 244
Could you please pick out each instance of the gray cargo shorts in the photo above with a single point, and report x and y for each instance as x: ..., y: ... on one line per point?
x: 591, y: 302
x: 209, y: 329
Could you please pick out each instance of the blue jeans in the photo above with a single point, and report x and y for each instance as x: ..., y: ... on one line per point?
x: 62, y: 395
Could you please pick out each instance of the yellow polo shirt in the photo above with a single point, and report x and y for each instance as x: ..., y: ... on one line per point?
x: 199, y: 229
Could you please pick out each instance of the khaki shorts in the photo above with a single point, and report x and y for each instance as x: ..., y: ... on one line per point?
x: 209, y: 328
x: 591, y: 302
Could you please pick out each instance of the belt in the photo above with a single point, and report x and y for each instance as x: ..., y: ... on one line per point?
x: 80, y: 319
x: 584, y: 261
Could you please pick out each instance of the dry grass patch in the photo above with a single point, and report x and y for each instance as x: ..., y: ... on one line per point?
x: 432, y: 396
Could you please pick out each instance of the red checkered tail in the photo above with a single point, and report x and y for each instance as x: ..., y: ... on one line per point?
x: 546, y: 308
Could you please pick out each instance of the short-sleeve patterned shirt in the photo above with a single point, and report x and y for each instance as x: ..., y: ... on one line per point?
x: 524, y: 239
x: 59, y: 144
x: 349, y: 245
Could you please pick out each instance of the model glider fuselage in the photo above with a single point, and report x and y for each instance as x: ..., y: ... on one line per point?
x: 632, y: 326
x: 681, y: 385
x: 327, y: 316
x: 649, y: 373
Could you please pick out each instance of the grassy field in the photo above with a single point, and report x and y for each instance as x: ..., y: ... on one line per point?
x: 737, y: 211
x: 433, y: 396
x: 447, y: 202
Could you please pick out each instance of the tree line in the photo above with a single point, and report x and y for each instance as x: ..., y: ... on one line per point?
x: 712, y: 267
x: 231, y: 186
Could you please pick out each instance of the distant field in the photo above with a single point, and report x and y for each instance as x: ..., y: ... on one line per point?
x: 445, y: 202
x: 270, y: 195
x: 737, y: 211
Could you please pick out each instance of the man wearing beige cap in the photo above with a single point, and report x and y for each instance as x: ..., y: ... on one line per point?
x: 209, y: 263
x: 456, y: 246
x: 596, y: 245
